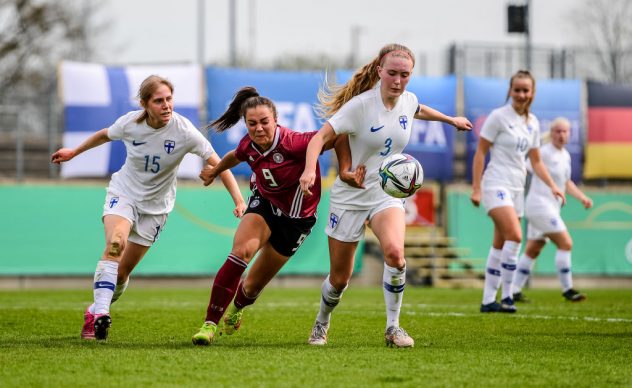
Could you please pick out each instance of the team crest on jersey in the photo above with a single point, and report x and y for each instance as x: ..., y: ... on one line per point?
x: 170, y: 145
x: 333, y: 220
x: 277, y: 157
x: 403, y: 121
x: 113, y: 202
x: 254, y: 203
x: 529, y: 128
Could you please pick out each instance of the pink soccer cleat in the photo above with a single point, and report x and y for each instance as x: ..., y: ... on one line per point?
x: 87, y: 331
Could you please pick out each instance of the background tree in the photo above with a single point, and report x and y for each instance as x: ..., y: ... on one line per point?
x: 605, y: 28
x: 35, y: 35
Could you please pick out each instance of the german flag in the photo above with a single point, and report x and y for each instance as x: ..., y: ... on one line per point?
x: 609, y: 142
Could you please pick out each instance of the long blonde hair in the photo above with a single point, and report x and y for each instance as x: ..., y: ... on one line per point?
x: 332, y: 97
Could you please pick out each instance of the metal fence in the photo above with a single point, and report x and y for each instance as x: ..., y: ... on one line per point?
x: 497, y: 60
x: 30, y: 130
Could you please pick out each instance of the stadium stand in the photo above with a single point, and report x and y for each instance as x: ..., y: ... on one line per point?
x: 433, y: 259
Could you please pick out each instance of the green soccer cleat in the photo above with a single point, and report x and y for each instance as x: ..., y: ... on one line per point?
x: 232, y: 319
x: 206, y: 334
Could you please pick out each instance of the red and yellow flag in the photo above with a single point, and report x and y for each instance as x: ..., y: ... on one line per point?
x: 609, y: 142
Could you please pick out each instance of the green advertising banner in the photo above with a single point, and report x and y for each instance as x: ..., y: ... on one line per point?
x: 57, y: 230
x: 602, y: 236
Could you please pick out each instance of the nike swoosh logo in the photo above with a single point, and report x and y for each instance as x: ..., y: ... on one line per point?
x: 376, y: 129
x: 137, y: 143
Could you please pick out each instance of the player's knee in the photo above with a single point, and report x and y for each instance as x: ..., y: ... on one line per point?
x: 566, y: 245
x: 244, y: 252
x: 251, y: 291
x: 515, y: 236
x: 338, y: 282
x: 115, y: 245
x: 394, y: 256
x: 533, y: 253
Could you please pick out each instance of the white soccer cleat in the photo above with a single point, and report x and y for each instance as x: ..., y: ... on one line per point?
x: 397, y: 337
x: 319, y: 334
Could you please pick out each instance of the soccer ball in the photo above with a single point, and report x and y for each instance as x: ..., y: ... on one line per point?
x: 401, y: 175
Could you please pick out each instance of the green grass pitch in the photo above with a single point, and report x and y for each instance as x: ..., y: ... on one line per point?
x: 549, y: 342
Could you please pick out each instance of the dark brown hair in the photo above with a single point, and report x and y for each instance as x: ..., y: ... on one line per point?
x: 245, y: 98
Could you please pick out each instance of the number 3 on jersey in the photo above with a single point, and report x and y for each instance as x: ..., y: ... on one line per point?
x: 268, y: 175
x: 387, y: 144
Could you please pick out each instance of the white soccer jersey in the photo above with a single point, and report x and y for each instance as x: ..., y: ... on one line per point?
x: 558, y: 163
x: 153, y: 156
x: 512, y: 138
x: 374, y: 133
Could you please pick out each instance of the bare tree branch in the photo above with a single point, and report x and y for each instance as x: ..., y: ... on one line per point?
x: 36, y: 36
x: 606, y: 29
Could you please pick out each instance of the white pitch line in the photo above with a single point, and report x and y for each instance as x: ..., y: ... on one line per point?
x: 526, y: 316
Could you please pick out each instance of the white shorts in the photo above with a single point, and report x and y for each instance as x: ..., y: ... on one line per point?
x: 539, y: 225
x: 348, y: 225
x: 145, y: 228
x: 500, y: 196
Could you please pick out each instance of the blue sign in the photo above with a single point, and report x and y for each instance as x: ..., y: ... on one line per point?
x: 293, y: 93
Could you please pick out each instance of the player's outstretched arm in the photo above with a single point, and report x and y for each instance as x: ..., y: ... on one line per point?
x: 215, y: 167
x: 95, y: 140
x: 229, y: 181
x: 325, y: 134
x: 427, y: 113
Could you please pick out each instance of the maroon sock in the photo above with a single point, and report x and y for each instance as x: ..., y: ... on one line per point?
x: 224, y: 287
x: 241, y: 300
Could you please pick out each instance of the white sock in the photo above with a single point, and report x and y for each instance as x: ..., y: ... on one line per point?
x: 525, y: 266
x: 394, y: 282
x: 492, y: 276
x: 563, y: 265
x: 330, y: 297
x: 508, y: 261
x: 118, y: 291
x: 104, y: 284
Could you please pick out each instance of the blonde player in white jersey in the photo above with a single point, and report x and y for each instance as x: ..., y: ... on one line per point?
x: 377, y: 113
x: 142, y: 193
x: 510, y: 133
x: 543, y: 215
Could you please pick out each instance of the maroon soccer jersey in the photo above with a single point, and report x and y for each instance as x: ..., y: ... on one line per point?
x: 278, y: 170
